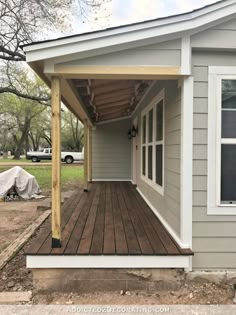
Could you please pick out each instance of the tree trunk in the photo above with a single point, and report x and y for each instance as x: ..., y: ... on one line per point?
x: 20, y: 143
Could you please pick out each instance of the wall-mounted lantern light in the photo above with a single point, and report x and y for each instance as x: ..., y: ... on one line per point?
x: 132, y: 132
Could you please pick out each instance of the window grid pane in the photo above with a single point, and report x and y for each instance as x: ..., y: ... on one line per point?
x: 159, y: 121
x: 144, y: 129
x: 150, y: 162
x: 159, y: 163
x: 144, y: 161
x: 150, y: 125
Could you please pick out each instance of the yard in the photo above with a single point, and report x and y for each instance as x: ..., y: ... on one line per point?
x: 70, y: 175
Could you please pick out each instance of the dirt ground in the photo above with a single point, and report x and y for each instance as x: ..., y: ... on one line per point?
x: 15, y: 217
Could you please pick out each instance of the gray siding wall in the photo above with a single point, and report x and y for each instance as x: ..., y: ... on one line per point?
x: 167, y: 53
x: 169, y: 204
x: 220, y: 36
x: 111, y: 151
x: 214, y: 237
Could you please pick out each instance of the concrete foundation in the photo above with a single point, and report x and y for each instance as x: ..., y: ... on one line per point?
x: 212, y: 276
x: 101, y: 280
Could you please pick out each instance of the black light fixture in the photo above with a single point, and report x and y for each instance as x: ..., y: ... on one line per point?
x: 134, y: 131
x: 129, y: 134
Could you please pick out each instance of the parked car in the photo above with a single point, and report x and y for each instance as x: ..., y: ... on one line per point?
x: 46, y: 154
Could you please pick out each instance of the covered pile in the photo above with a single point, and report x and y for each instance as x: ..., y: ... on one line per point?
x: 17, y: 179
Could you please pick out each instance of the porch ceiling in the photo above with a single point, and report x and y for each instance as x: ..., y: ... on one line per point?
x: 110, y: 99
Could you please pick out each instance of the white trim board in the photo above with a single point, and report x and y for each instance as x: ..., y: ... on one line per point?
x: 186, y: 178
x: 163, y: 221
x: 102, y: 261
x: 213, y: 206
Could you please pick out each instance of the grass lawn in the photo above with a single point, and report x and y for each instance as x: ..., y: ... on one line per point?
x: 70, y: 175
x: 11, y: 160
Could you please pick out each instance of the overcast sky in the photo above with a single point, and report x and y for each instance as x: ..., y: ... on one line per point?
x: 118, y: 12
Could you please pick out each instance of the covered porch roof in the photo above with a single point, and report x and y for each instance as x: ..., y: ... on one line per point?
x: 98, y: 90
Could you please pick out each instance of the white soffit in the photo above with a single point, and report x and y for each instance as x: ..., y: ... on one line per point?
x: 188, y: 23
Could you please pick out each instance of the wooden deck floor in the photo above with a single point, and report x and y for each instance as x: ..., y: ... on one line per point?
x: 110, y: 219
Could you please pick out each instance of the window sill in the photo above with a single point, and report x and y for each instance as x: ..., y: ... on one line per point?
x: 154, y: 186
x: 222, y: 210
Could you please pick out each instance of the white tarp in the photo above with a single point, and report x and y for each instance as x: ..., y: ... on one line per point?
x: 24, y: 183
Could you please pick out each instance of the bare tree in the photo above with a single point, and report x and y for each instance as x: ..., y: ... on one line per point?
x: 22, y: 21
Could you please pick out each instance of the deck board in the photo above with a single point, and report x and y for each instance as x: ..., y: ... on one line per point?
x: 110, y: 219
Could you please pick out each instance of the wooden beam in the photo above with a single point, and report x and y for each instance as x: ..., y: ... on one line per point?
x: 85, y: 155
x: 115, y: 93
x: 113, y: 86
x: 118, y: 72
x: 125, y: 97
x: 112, y: 109
x: 114, y: 104
x: 56, y: 163
x: 120, y: 113
x: 90, y: 154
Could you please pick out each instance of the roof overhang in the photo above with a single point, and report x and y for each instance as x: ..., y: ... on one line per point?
x: 130, y: 36
x: 52, y: 58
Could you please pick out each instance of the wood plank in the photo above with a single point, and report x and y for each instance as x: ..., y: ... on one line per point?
x: 156, y: 243
x: 120, y: 239
x: 86, y: 238
x: 56, y: 162
x: 142, y: 238
x: 67, y: 211
x: 117, y: 72
x: 101, y: 87
x: 97, y: 240
x: 69, y: 224
x: 164, y: 236
x: 84, y: 208
x: 46, y: 230
x: 131, y: 238
x: 111, y: 108
x: 117, y: 89
x: 109, y: 233
x: 114, y: 100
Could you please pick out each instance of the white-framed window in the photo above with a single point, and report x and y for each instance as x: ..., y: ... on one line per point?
x: 222, y: 141
x: 152, y: 143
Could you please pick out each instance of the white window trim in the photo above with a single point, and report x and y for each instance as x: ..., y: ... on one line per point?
x: 214, y: 206
x: 159, y: 97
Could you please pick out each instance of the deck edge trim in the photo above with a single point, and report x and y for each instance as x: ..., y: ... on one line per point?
x: 102, y: 261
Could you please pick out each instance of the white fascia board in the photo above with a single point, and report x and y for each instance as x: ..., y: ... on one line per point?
x: 132, y: 27
x: 102, y: 261
x: 150, y: 30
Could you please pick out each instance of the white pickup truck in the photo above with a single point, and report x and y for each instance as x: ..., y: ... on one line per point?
x: 46, y: 154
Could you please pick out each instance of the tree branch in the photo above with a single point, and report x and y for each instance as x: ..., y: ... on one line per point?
x: 40, y: 99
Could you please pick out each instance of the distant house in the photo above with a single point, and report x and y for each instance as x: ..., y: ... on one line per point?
x: 157, y: 100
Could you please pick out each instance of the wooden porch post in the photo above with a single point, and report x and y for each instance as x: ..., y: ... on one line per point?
x: 90, y: 154
x: 56, y: 163
x: 85, y: 155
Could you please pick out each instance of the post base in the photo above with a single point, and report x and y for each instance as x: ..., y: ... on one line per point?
x: 56, y: 243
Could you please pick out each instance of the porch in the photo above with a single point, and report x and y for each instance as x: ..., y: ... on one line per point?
x: 110, y: 219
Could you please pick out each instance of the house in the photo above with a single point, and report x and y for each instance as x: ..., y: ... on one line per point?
x: 157, y: 100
